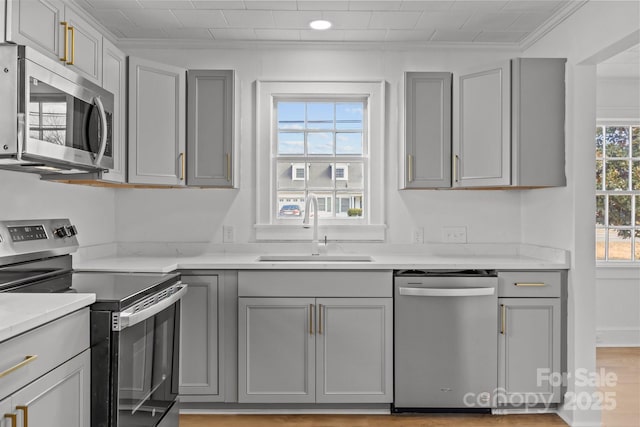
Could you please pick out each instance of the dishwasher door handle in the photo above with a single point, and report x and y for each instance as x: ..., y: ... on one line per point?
x: 446, y: 292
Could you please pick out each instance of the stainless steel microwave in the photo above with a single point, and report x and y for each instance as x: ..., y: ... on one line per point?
x: 52, y: 121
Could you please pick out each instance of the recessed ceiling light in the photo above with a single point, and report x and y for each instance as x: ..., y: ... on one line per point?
x: 320, y: 24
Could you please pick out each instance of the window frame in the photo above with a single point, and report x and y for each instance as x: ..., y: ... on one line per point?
x: 267, y: 226
x: 634, y: 194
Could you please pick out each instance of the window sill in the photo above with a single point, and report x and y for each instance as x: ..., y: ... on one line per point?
x: 336, y: 232
x: 618, y: 270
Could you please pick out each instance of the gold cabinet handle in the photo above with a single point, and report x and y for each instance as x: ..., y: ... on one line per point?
x: 73, y: 45
x: 503, y: 318
x: 65, y: 24
x: 26, y: 361
x: 530, y: 284
x: 228, y: 167
x: 182, y: 166
x: 13, y: 418
x: 320, y: 319
x: 310, y: 319
x: 456, y: 160
x: 25, y: 414
x: 410, y: 167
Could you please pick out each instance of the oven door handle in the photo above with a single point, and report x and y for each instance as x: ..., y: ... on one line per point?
x: 130, y: 319
x: 446, y: 292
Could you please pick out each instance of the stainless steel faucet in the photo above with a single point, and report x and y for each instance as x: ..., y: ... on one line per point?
x: 315, y: 250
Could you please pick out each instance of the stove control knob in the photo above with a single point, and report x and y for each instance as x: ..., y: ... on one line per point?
x: 71, y: 230
x: 60, y: 232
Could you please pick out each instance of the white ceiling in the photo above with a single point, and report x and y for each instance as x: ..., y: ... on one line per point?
x: 503, y: 22
x: 624, y: 65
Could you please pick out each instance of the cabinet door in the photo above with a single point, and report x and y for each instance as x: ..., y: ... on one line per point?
x: 199, y: 337
x: 85, y: 47
x: 36, y: 23
x: 59, y: 398
x: 156, y: 123
x: 529, y: 346
x: 481, y: 131
x: 427, y: 130
x: 210, y: 125
x: 114, y: 79
x: 6, y: 412
x: 276, y: 349
x: 354, y: 350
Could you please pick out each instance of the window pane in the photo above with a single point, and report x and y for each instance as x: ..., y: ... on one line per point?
x: 290, y: 115
x: 290, y: 205
x: 355, y: 176
x: 637, y: 212
x: 349, y: 143
x: 619, y: 210
x: 350, y: 205
x: 320, y: 143
x: 290, y: 175
x: 635, y: 175
x: 617, y: 177
x: 600, y: 201
x: 325, y: 204
x: 599, y: 141
x: 617, y: 141
x: 320, y: 115
x: 349, y: 115
x: 320, y: 175
x: 635, y: 136
x: 620, y: 245
x: 637, y: 258
x: 290, y: 143
x: 600, y: 232
x: 599, y: 166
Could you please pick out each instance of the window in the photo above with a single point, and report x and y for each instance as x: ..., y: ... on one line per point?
x: 48, y: 119
x: 618, y: 193
x: 326, y: 139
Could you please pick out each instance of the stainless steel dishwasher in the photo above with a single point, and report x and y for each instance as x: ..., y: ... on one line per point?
x: 446, y: 340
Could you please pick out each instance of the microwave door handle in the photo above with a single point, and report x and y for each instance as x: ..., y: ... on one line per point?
x: 103, y: 128
x: 130, y: 319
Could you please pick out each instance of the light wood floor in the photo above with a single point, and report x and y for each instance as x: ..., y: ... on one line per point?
x: 625, y: 362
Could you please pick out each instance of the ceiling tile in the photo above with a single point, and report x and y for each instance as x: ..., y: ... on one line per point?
x: 218, y: 4
x: 115, y: 4
x: 249, y: 18
x: 485, y: 6
x: 233, y: 34
x: 272, y: 34
x: 454, y: 36
x: 297, y: 19
x: 271, y: 5
x: 426, y: 5
x: 500, y: 37
x: 148, y: 18
x: 348, y: 20
x: 394, y: 20
x: 409, y: 35
x: 374, y: 5
x: 529, y: 21
x: 364, y: 35
x: 532, y: 5
x: 143, y: 33
x: 189, y: 33
x: 322, y: 5
x: 491, y: 21
x: 166, y: 4
x: 312, y: 35
x: 201, y: 18
x: 443, y: 20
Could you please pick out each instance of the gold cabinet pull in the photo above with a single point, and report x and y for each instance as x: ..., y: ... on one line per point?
x: 26, y: 361
x: 25, y: 414
x: 456, y: 160
x: 410, y: 167
x: 310, y: 319
x: 320, y: 319
x: 503, y: 318
x: 228, y: 167
x: 530, y: 284
x: 73, y: 45
x: 182, y: 166
x: 13, y: 418
x: 65, y: 24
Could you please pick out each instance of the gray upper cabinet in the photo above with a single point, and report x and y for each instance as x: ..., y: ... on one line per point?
x: 508, y: 125
x: 58, y: 31
x: 427, y: 130
x: 156, y: 123
x: 114, y: 74
x: 210, y: 126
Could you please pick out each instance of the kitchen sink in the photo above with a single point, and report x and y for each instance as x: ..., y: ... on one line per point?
x: 315, y: 258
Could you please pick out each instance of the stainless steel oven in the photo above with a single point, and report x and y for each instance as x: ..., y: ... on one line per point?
x: 51, y: 119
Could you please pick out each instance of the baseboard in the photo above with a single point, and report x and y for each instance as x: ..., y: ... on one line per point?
x: 622, y: 337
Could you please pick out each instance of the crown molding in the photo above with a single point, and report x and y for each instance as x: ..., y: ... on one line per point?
x: 565, y: 12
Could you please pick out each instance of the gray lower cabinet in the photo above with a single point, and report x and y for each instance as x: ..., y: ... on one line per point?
x: 427, y: 127
x: 315, y: 350
x: 210, y: 125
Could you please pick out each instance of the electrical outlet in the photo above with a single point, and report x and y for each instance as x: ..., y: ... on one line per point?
x: 454, y: 234
x: 418, y: 235
x: 228, y: 234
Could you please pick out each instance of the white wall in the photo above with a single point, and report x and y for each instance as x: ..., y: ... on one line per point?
x: 91, y: 209
x: 491, y: 216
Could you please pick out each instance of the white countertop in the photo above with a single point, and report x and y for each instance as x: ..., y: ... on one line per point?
x: 22, y: 312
